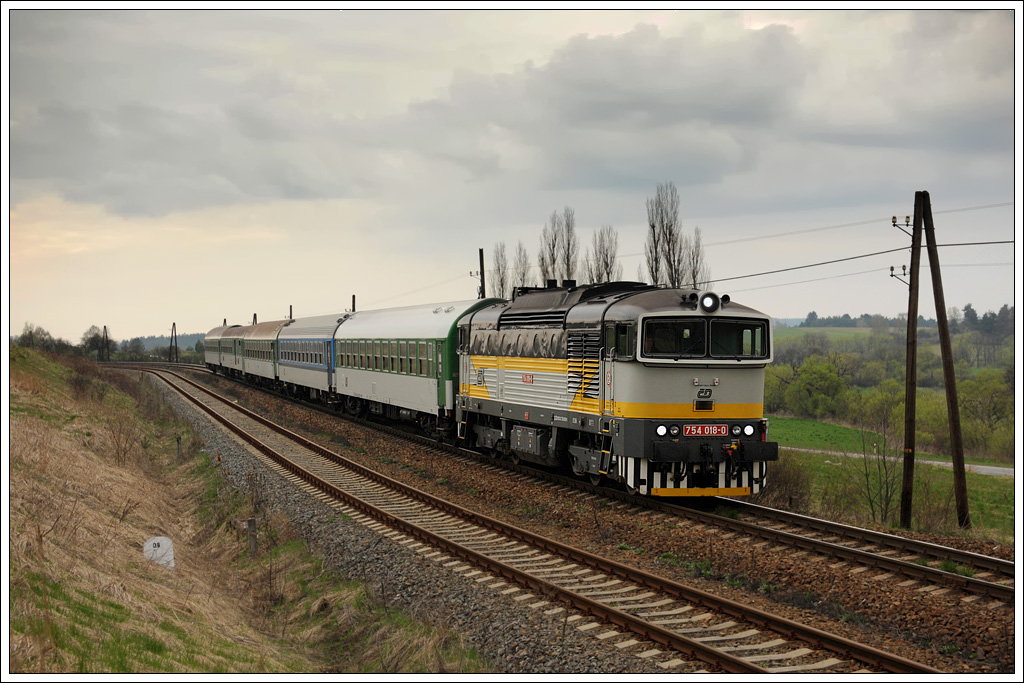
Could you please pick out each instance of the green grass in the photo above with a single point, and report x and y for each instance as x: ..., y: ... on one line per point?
x: 991, y: 499
x: 793, y: 432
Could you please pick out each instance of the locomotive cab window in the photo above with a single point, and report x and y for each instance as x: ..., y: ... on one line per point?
x: 674, y: 338
x: 739, y: 339
x: 625, y: 345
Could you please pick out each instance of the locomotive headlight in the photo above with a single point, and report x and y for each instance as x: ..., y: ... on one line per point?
x: 736, y: 430
x: 709, y: 302
x: 674, y: 430
x: 662, y: 430
x: 749, y: 430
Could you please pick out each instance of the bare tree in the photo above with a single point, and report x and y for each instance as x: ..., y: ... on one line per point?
x: 603, y: 256
x: 521, y: 266
x: 550, y: 245
x: 499, y: 274
x: 673, y: 258
x: 652, y: 248
x: 587, y: 271
x: 667, y: 198
x: 696, y: 272
x: 569, y: 245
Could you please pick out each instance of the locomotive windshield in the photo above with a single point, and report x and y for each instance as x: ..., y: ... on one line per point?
x: 673, y: 338
x: 677, y: 338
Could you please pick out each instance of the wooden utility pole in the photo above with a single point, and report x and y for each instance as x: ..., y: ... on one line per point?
x: 483, y: 291
x: 104, y: 353
x: 172, y: 350
x: 910, y: 407
x: 956, y: 445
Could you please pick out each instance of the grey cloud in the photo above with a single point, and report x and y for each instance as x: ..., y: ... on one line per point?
x: 157, y: 112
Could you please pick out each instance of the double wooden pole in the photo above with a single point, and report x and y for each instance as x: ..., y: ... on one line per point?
x: 923, y: 214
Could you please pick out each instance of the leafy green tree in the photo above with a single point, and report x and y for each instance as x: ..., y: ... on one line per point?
x: 92, y: 342
x: 870, y: 374
x: 777, y: 378
x: 986, y: 402
x: 818, y: 390
x: 970, y: 317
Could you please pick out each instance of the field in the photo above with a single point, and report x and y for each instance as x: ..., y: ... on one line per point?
x: 840, y: 483
x: 836, y: 487
x: 800, y: 433
x: 833, y: 333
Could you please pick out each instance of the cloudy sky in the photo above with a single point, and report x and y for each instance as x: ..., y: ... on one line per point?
x: 189, y: 166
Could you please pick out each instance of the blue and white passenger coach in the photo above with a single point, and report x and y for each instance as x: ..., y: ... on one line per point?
x: 305, y: 356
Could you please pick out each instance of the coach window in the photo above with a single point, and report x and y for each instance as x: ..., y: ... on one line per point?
x: 393, y: 357
x: 401, y: 357
x: 430, y: 359
x: 423, y: 359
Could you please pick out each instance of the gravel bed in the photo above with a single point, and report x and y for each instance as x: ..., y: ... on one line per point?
x: 512, y: 637
x: 937, y: 628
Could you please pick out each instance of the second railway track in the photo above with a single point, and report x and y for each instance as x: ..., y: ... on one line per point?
x: 724, y: 635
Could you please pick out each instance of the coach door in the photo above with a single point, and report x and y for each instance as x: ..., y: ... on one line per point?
x: 329, y: 362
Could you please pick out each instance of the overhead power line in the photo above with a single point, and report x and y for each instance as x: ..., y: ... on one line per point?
x: 850, y: 258
x: 834, y: 227
x: 862, y: 272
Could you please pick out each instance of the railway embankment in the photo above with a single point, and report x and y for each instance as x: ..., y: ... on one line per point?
x: 96, y: 474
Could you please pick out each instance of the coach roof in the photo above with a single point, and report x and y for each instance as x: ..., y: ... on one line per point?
x: 427, y: 321
x: 315, y: 327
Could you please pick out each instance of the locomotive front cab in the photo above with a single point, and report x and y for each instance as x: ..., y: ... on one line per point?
x: 689, y: 403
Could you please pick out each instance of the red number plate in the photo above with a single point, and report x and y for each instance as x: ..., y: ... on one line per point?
x: 705, y: 430
x: 527, y: 379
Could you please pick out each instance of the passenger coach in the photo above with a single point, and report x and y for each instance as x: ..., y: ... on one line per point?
x: 401, y: 363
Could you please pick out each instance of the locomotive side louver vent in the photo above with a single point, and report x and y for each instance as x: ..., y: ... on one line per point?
x: 584, y: 353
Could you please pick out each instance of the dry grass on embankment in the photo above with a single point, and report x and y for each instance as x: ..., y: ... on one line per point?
x: 93, y: 475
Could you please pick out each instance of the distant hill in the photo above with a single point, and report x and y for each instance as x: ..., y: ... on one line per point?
x: 185, y: 341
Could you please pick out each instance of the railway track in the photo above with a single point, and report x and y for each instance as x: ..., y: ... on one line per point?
x: 679, y: 623
x: 973, y: 573
x: 932, y: 566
